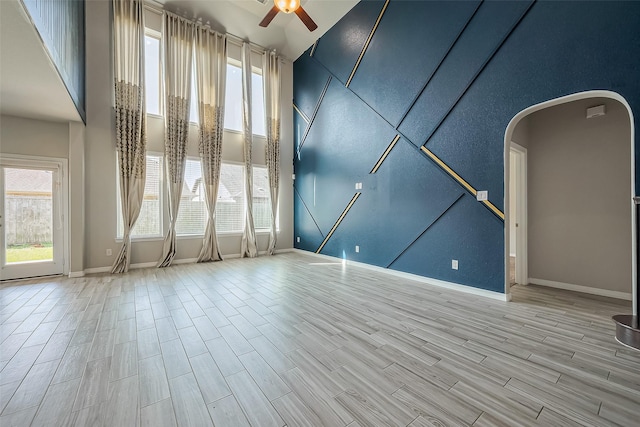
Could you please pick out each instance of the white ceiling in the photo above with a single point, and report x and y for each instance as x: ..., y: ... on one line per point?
x: 286, y: 33
x: 30, y: 86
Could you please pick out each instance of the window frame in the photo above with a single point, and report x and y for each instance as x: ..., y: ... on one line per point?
x: 192, y: 235
x: 161, y: 188
x: 268, y: 229
x: 149, y: 32
x: 228, y: 233
x: 259, y: 72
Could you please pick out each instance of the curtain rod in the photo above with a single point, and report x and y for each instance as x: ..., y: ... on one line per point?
x: 156, y: 7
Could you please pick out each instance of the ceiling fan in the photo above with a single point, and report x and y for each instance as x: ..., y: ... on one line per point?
x: 288, y: 6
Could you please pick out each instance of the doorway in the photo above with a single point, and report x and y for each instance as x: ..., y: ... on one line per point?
x: 582, y: 193
x: 32, y: 217
x: 518, y: 220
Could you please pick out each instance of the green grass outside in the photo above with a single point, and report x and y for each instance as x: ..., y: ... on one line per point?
x: 22, y: 253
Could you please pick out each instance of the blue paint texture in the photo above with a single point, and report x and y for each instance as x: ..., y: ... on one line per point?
x: 449, y: 76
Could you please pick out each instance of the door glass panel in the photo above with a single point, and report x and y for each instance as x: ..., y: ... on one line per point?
x: 28, y: 215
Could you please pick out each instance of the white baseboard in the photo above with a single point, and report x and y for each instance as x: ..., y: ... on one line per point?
x: 74, y: 274
x: 427, y: 280
x: 580, y: 288
x: 96, y: 270
x: 183, y: 261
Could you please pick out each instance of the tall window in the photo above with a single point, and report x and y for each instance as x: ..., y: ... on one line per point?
x: 192, y: 215
x: 233, y: 101
x: 261, y: 198
x: 230, y: 203
x: 152, y: 74
x: 233, y: 94
x: 149, y: 223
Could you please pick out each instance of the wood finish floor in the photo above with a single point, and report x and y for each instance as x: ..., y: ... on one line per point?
x: 292, y: 340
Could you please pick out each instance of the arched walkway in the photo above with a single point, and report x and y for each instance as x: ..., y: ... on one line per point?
x: 507, y: 147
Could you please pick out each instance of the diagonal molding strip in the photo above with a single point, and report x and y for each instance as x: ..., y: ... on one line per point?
x: 308, y: 211
x: 303, y: 115
x: 335, y: 226
x: 461, y: 180
x: 425, y: 230
x: 313, y: 48
x: 479, y: 72
x: 315, y: 112
x: 385, y: 154
x: 366, y: 44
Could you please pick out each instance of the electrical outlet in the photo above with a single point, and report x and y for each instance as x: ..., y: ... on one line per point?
x: 482, y: 195
x: 298, y: 239
x: 454, y: 264
x: 358, y: 186
x: 109, y: 253
x: 357, y: 248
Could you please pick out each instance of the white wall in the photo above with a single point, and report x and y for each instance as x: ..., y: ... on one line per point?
x: 579, y: 190
x: 29, y: 137
x: 100, y: 176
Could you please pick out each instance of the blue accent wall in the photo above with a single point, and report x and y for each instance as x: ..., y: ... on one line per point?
x: 447, y: 76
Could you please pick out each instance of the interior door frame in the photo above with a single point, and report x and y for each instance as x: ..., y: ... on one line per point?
x: 522, y: 261
x: 62, y: 164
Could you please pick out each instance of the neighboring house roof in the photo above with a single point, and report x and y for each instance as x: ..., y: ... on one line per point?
x: 28, y: 181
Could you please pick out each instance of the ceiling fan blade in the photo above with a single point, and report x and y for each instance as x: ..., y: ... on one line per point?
x: 306, y: 19
x: 269, y: 16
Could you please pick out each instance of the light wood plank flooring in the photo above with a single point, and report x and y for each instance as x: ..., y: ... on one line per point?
x: 293, y: 340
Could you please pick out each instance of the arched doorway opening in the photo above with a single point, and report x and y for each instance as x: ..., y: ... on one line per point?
x: 629, y: 166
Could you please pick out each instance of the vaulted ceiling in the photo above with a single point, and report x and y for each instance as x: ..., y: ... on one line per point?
x: 286, y: 33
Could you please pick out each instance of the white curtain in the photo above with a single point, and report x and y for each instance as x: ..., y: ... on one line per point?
x: 178, y: 36
x: 211, y: 72
x: 249, y: 246
x: 128, y: 43
x: 271, y: 85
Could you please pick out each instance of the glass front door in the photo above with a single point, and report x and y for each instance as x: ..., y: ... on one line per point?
x: 31, y: 219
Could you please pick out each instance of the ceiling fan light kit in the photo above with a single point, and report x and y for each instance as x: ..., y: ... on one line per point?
x: 288, y: 6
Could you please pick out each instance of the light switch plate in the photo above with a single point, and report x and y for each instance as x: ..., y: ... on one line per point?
x: 482, y: 195
x: 357, y: 248
x: 454, y: 264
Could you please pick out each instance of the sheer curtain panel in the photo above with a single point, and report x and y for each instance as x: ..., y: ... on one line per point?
x: 271, y: 85
x: 178, y: 35
x: 249, y: 246
x: 211, y: 72
x: 131, y: 138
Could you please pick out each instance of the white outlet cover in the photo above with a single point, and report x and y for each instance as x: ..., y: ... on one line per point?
x: 357, y: 248
x: 454, y: 264
x: 298, y: 239
x: 482, y: 195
